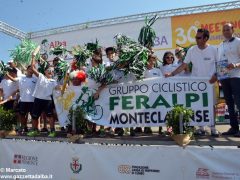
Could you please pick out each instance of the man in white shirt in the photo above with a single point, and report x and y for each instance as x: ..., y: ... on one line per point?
x: 203, y: 57
x: 151, y: 70
x: 229, y: 50
x: 26, y: 85
x: 43, y: 98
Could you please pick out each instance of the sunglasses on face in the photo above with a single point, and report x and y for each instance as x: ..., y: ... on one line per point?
x: 199, y: 37
x: 226, y: 30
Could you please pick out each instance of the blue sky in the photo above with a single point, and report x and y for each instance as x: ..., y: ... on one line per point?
x: 34, y: 15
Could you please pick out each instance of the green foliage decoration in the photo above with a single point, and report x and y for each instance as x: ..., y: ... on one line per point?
x: 173, y: 117
x: 8, y: 119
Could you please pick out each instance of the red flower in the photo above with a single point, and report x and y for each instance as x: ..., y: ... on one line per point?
x: 81, y: 75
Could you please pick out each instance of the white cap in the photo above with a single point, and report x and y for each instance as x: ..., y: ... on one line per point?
x: 10, y: 61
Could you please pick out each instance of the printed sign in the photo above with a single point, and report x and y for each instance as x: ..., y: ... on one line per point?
x: 142, y: 103
x: 184, y: 27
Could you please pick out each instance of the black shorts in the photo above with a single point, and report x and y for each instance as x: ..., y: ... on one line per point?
x: 25, y: 107
x: 9, y: 105
x: 42, y: 105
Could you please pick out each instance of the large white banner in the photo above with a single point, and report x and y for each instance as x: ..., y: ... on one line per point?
x: 54, y: 160
x: 142, y: 103
x: 105, y: 35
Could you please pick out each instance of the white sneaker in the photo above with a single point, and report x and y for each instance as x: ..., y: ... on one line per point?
x: 215, y: 133
x: 126, y: 131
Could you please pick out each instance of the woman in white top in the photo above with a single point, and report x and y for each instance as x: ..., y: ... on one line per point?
x: 169, y: 64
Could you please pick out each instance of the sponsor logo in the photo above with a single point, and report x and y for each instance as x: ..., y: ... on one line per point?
x: 124, y: 169
x: 75, y: 166
x: 136, y: 170
x: 202, y: 173
x: 23, y: 159
x: 54, y: 44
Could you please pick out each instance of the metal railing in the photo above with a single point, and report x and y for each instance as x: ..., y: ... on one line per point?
x: 138, y: 17
x: 12, y: 31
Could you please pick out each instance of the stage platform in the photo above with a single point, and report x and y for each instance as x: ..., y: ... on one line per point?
x: 129, y: 158
x: 142, y: 140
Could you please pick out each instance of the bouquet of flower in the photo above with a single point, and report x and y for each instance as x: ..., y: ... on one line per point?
x: 61, y: 69
x: 147, y: 34
x: 92, y: 46
x: 100, y: 74
x: 58, y: 50
x: 81, y: 54
x: 122, y: 40
x: 133, y: 56
x: 42, y: 66
x: 23, y: 52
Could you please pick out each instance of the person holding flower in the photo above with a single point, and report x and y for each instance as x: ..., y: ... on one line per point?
x: 43, y: 98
